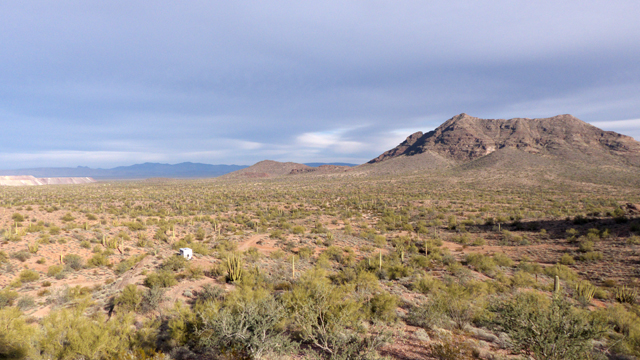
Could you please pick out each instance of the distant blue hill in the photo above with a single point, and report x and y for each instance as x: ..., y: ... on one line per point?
x: 142, y: 171
x: 138, y: 171
x: 337, y: 163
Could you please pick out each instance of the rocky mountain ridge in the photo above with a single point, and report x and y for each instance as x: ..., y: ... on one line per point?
x: 464, y: 138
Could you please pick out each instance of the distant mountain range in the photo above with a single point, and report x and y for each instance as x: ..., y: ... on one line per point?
x: 559, y: 146
x: 138, y: 171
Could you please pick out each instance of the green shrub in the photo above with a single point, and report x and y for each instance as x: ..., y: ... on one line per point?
x: 73, y: 261
x: 182, y: 323
x: 625, y: 338
x: 562, y: 272
x: 161, y: 278
x: 151, y: 299
x: 7, y: 297
x: 397, y: 271
x: 26, y: 302
x: 27, y: 275
x: 18, y: 338
x: 522, y: 279
x: 382, y: 306
x: 22, y: 255
x: 200, y: 234
x: 481, y: 263
x: 251, y: 328
x: 548, y: 330
x: 174, y: 263
x: 209, y: 293
x: 380, y: 241
x: 129, y: 263
x: 194, y: 272
x: 420, y: 261
x: 426, y: 284
x: 277, y: 234
x: 201, y: 249
x: 453, y: 303
x: 586, y: 246
x: 591, y: 256
x: 97, y: 260
x: 54, y: 270
x: 129, y: 299
x: 67, y: 217
x: 450, y: 348
x: 68, y: 334
x: 305, y: 252
x: 322, y: 311
x: 134, y: 225
x: 530, y: 267
x: 566, y: 259
x: 502, y: 259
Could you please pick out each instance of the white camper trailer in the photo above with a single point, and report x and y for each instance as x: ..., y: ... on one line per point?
x: 187, y: 253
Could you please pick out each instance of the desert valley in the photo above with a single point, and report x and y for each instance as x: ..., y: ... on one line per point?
x: 490, y: 239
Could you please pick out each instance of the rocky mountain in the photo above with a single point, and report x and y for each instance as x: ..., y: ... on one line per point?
x: 464, y: 138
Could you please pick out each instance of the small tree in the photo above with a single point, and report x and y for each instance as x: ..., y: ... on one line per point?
x: 548, y: 330
x: 249, y: 329
x: 322, y: 311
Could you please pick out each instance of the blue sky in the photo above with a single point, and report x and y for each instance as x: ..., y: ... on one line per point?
x: 109, y: 83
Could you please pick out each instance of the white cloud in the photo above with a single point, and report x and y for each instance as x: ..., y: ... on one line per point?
x: 330, y: 140
x: 318, y: 139
x: 618, y: 124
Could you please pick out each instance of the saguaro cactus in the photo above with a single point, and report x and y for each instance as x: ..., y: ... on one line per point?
x: 556, y: 285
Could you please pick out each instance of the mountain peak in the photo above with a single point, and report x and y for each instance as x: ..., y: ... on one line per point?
x: 464, y: 138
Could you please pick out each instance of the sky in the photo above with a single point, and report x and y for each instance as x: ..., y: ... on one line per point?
x: 112, y: 83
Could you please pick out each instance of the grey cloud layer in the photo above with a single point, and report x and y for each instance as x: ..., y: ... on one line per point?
x: 122, y: 82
